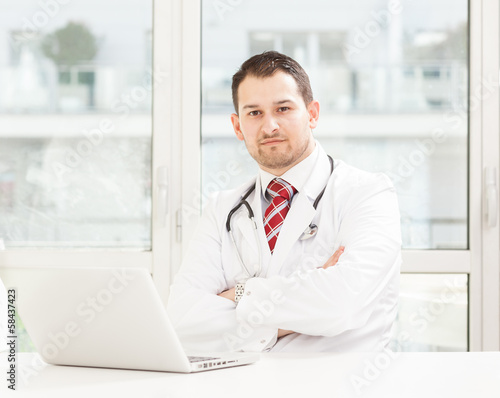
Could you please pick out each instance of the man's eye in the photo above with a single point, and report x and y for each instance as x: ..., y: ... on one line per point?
x: 253, y: 113
x: 283, y: 109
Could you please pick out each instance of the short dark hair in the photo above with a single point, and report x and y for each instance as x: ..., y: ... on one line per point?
x: 266, y: 65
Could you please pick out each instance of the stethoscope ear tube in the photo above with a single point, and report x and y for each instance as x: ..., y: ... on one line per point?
x: 315, y: 204
x: 243, y: 202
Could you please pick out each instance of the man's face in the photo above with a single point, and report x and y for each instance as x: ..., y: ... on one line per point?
x: 274, y: 122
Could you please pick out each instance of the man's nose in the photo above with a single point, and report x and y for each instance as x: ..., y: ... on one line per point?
x: 270, y: 124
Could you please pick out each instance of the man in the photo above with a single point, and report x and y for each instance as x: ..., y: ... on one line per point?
x: 282, y: 280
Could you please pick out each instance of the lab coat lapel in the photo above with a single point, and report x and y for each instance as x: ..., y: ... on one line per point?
x: 246, y: 228
x: 298, y: 218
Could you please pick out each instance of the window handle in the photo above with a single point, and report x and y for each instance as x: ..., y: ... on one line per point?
x: 491, y: 196
x: 162, y: 183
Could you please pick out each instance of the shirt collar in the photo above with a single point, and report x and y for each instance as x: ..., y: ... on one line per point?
x: 297, y: 176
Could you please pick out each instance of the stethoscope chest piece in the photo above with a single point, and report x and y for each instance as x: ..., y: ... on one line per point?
x: 309, y: 232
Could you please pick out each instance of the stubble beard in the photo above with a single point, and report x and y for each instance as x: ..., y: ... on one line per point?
x: 278, y: 157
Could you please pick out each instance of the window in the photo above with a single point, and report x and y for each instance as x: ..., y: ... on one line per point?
x: 386, y: 97
x: 393, y: 89
x: 75, y: 159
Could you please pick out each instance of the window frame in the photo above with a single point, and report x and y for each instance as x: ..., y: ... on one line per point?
x: 480, y: 261
x: 490, y: 151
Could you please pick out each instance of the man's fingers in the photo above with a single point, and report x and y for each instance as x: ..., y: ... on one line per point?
x: 334, y: 258
x: 282, y: 332
x: 228, y: 294
x: 337, y: 254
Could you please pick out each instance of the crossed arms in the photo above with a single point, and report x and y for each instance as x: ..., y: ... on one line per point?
x: 230, y: 293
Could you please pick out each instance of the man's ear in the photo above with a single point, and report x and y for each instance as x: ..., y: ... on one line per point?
x: 313, y: 110
x: 235, y: 120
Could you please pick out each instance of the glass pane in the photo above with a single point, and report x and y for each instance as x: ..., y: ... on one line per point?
x: 392, y: 81
x: 75, y: 123
x: 433, y: 313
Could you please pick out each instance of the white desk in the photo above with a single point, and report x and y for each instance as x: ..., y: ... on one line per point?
x: 422, y: 375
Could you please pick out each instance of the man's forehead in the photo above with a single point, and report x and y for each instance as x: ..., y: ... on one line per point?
x: 276, y: 88
x: 276, y: 78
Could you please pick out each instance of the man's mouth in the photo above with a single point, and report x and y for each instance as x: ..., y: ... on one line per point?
x: 272, y: 141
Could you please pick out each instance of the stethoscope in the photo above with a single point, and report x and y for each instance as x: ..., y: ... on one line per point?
x: 309, y: 232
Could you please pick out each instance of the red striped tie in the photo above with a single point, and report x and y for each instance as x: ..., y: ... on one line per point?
x: 282, y: 193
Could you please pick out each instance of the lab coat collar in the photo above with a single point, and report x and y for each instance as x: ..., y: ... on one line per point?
x: 319, y: 176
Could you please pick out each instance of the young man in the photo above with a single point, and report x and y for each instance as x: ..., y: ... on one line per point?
x: 306, y: 257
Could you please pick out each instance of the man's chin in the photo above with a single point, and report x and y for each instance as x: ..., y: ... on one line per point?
x: 276, y: 163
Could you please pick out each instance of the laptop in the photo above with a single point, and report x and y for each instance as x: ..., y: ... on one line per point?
x: 103, y: 317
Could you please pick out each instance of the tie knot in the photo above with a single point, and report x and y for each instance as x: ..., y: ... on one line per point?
x: 279, y: 187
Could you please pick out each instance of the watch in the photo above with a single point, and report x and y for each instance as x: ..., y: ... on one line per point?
x: 238, y: 292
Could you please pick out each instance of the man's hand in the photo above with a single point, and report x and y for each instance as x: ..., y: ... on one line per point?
x: 229, y: 294
x: 282, y: 332
x: 334, y: 258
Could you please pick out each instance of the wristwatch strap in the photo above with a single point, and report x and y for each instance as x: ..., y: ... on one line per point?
x: 238, y: 292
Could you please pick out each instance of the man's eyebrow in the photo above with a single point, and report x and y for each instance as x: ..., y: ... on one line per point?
x: 250, y: 107
x: 280, y: 102
x: 285, y: 101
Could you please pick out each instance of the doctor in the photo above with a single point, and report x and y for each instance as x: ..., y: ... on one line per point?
x: 306, y: 256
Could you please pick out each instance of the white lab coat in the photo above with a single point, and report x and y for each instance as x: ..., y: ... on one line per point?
x: 348, y: 307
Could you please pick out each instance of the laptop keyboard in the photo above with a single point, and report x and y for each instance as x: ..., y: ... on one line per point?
x: 200, y: 359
